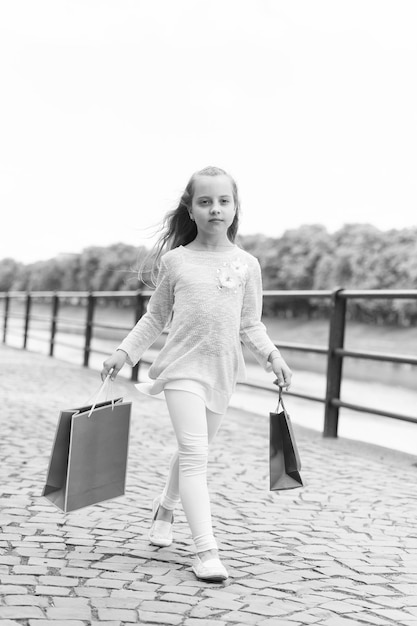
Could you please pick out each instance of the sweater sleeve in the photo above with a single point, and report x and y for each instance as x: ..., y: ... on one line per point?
x: 252, y: 331
x: 153, y: 322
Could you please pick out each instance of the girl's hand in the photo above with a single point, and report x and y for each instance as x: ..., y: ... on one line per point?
x: 281, y: 371
x: 115, y: 362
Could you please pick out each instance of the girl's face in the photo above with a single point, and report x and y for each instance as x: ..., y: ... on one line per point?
x: 213, y: 206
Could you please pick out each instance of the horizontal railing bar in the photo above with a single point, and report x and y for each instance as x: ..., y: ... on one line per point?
x: 46, y: 294
x: 301, y: 347
x: 76, y: 294
x: 298, y: 293
x: 122, y: 294
x: 289, y: 393
x: 112, y: 327
x: 13, y: 294
x: 281, y: 293
x: 366, y: 409
x: 378, y: 293
x: 377, y: 356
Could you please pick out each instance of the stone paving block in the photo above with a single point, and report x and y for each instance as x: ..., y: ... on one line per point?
x: 302, y: 617
x: 193, y: 621
x: 164, y: 607
x: 224, y: 592
x: 396, y: 614
x: 406, y: 589
x: 182, y: 589
x: 53, y: 563
x: 368, y: 618
x: 105, y: 583
x: 10, y: 589
x: 77, y: 565
x: 340, y: 621
x: 264, y: 609
x: 126, y: 602
x: 253, y: 583
x: 59, y: 581
x: 224, y: 603
x: 77, y: 572
x: 124, y: 615
x: 34, y: 570
x: 282, y: 622
x: 379, y: 590
x: 113, y: 567
x: 69, y: 602
x: 20, y: 612
x: 82, y: 556
x: 159, y: 618
x: 238, y: 617
x: 125, y: 577
x: 179, y: 598
x: 47, y: 590
x: 25, y: 600
x: 92, y: 592
x: 73, y: 613
x: 57, y: 622
x: 140, y: 585
x: 9, y: 560
x: 206, y: 612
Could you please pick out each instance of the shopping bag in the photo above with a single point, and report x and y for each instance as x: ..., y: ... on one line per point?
x: 284, y: 460
x: 88, y: 461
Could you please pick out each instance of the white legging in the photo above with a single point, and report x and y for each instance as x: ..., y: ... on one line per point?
x: 195, y: 427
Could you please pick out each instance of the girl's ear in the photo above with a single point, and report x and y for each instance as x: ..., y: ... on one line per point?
x: 191, y: 216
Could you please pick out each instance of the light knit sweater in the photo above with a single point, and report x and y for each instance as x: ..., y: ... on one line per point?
x: 213, y: 302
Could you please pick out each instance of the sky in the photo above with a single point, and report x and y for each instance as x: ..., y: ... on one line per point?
x: 109, y: 106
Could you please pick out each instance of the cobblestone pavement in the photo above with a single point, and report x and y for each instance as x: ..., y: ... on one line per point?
x: 340, y: 551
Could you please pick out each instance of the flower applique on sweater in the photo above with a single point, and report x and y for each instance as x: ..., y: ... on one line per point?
x: 230, y: 276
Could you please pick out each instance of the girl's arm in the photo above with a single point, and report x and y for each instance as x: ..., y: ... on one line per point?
x: 253, y: 332
x: 148, y: 328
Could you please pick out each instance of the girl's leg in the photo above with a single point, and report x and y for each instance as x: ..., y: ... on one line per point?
x: 192, y: 424
x: 171, y: 493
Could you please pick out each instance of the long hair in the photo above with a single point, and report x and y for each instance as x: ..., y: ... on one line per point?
x: 178, y: 229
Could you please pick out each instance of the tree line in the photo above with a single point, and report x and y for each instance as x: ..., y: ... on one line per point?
x: 358, y: 256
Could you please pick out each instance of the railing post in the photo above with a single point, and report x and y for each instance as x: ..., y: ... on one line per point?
x: 139, y: 310
x: 55, y: 307
x: 27, y: 319
x: 88, y: 328
x: 334, y: 363
x: 6, y: 316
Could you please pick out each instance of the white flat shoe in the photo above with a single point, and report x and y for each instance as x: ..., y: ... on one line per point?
x: 160, y: 533
x: 212, y: 569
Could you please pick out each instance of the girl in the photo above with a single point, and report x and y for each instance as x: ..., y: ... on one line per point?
x: 211, y: 292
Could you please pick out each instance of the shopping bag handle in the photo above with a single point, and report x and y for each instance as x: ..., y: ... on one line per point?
x: 280, y: 398
x: 105, y: 382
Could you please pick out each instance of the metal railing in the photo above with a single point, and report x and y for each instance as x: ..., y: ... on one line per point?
x: 334, y: 351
